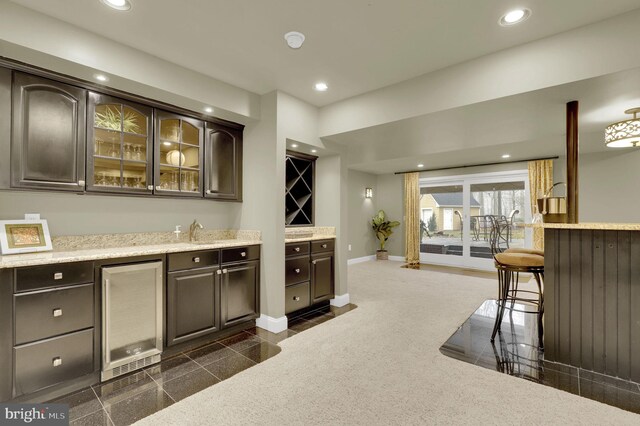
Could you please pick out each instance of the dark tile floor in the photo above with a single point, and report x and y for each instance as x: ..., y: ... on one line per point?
x: 515, y: 352
x: 125, y: 400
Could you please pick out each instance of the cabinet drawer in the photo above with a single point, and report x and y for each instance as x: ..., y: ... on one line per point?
x: 53, y: 312
x: 192, y: 259
x: 38, y: 277
x: 46, y: 363
x: 294, y: 249
x: 296, y: 270
x: 322, y: 245
x: 238, y: 254
x: 296, y: 297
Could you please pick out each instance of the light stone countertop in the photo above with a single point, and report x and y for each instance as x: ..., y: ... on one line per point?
x: 312, y: 238
x: 311, y: 233
x: 594, y: 226
x: 54, y: 257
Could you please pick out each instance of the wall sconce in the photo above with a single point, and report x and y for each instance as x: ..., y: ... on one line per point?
x: 368, y: 193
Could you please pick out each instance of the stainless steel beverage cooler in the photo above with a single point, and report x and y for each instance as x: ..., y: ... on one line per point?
x: 131, y: 317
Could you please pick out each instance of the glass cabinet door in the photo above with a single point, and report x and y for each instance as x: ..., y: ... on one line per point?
x: 119, y: 154
x: 178, y: 155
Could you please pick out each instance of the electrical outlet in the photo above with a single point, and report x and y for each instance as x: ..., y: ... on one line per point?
x: 349, y: 247
x: 32, y: 216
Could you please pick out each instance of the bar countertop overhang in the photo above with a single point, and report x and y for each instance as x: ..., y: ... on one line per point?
x: 588, y: 225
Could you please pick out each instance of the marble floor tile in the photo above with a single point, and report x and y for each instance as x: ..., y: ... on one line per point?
x: 189, y: 384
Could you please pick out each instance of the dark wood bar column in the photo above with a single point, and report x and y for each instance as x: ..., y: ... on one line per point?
x: 592, y: 297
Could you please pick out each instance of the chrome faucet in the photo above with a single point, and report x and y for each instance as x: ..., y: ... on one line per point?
x: 193, y: 230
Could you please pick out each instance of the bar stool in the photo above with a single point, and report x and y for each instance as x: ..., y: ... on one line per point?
x: 509, y: 264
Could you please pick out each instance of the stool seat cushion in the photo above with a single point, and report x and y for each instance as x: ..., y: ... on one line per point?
x: 520, y: 259
x: 525, y: 250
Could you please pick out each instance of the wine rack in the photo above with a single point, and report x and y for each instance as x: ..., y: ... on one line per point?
x: 299, y: 185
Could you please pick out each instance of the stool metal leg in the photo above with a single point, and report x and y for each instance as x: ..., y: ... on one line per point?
x: 504, y: 280
x: 540, y: 310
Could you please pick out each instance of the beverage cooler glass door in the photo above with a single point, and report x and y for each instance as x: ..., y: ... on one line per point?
x: 131, y: 317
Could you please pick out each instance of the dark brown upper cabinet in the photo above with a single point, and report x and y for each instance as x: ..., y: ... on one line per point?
x: 119, y: 145
x: 48, y: 134
x: 299, y: 189
x: 178, y: 155
x: 223, y: 162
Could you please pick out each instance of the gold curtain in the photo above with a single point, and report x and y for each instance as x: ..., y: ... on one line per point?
x: 412, y: 218
x: 540, y: 180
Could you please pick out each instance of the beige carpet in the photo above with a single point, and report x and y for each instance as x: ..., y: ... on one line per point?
x: 380, y: 364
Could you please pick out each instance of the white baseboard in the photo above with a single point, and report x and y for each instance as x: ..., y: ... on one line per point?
x: 274, y: 325
x: 340, y: 300
x: 361, y: 259
x: 397, y: 258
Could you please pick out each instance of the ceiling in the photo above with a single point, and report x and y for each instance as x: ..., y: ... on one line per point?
x: 354, y: 45
x: 525, y: 126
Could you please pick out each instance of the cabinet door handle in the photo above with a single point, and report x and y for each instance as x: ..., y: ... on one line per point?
x: 57, y: 361
x: 57, y: 312
x: 296, y: 249
x: 208, y: 191
x: 196, y: 260
x: 150, y: 187
x: 324, y: 246
x: 243, y: 254
x: 158, y: 188
x: 224, y: 271
x: 296, y: 298
x: 314, y: 261
x: 219, y: 272
x: 297, y: 270
x: 80, y: 183
x: 57, y: 276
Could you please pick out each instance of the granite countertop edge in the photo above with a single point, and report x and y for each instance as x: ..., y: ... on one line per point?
x: 55, y: 257
x: 595, y: 226
x: 313, y: 238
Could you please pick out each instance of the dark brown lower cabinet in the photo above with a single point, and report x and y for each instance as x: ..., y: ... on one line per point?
x: 192, y: 304
x: 321, y: 277
x: 239, y: 295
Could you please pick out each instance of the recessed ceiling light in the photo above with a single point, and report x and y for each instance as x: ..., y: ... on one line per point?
x: 208, y: 109
x: 420, y: 165
x: 294, y: 145
x: 101, y: 77
x: 294, y: 39
x: 321, y: 87
x: 118, y: 4
x: 514, y: 16
x: 506, y: 156
x: 314, y: 150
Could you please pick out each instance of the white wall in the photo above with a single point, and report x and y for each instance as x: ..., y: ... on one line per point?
x: 578, y: 54
x: 389, y: 198
x: 360, y: 209
x: 37, y: 39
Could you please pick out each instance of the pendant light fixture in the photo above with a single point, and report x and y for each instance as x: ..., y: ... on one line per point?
x: 624, y: 134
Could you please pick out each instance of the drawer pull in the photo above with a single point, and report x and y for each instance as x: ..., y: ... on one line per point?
x: 218, y: 272
x: 324, y: 246
x: 297, y: 270
x: 57, y: 276
x: 296, y: 298
x: 196, y: 260
x: 57, y: 312
x: 314, y: 261
x: 57, y: 361
x: 296, y: 249
x: 243, y: 254
x: 224, y: 271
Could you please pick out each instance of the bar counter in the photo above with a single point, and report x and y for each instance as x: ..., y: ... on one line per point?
x: 592, y: 297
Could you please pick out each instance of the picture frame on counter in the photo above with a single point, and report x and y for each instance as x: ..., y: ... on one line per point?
x: 24, y: 236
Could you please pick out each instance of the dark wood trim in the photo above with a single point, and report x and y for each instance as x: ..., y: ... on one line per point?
x: 477, y: 165
x: 572, y: 162
x: 85, y: 84
x: 6, y: 333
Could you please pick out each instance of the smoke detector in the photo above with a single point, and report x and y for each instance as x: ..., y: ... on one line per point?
x: 294, y: 39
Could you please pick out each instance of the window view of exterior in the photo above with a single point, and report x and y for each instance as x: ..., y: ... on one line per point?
x: 441, y: 221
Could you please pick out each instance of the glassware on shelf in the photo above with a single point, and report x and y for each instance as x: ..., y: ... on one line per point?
x: 102, y: 179
x: 99, y: 146
x: 138, y: 183
x: 137, y: 152
x: 128, y: 152
x: 174, y: 185
x: 115, y: 150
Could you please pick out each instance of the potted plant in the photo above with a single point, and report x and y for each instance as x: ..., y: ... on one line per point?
x: 383, y: 229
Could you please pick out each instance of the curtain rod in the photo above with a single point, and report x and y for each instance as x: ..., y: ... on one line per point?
x: 478, y: 165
